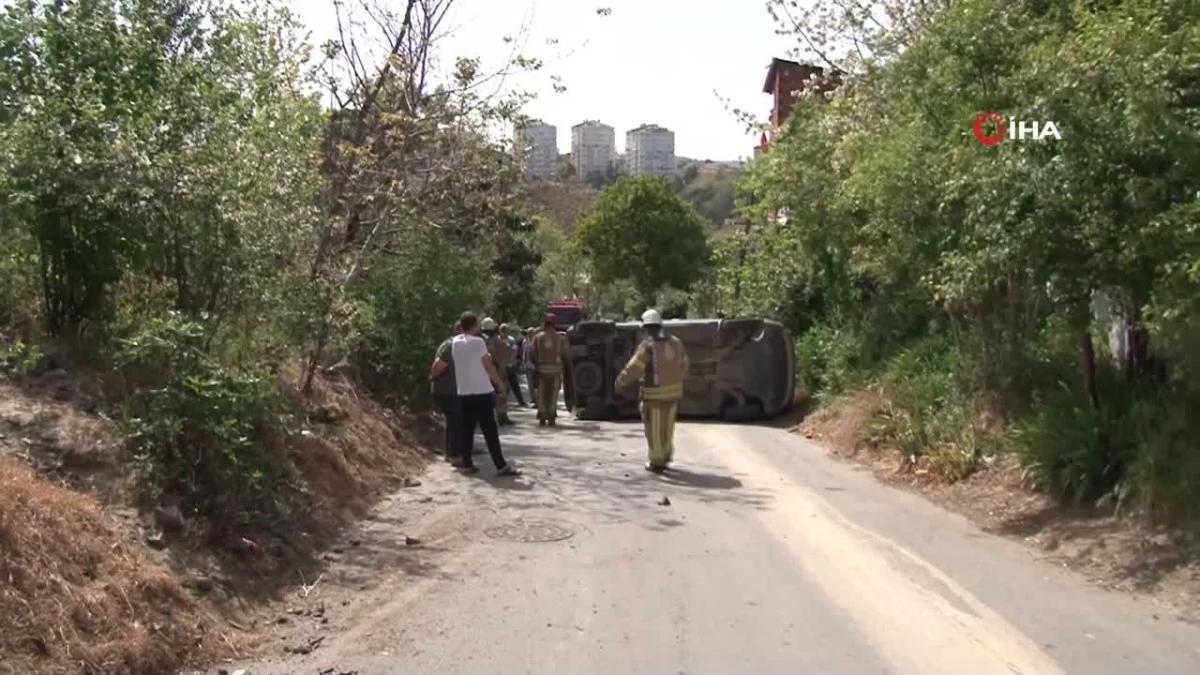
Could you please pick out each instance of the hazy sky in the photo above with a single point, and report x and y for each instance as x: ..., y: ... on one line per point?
x: 649, y: 61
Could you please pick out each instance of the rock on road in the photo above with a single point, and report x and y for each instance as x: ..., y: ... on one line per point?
x: 770, y: 557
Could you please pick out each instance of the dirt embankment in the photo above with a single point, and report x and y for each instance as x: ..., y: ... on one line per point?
x: 96, y: 579
x: 1120, y: 552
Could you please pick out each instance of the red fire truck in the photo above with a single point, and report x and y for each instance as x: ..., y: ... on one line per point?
x: 568, y: 312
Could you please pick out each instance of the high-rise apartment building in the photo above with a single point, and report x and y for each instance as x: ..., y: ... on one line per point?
x: 650, y: 150
x: 537, y: 145
x: 593, y: 145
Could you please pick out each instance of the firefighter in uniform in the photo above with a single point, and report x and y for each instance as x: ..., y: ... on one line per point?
x: 661, y: 364
x: 550, y: 356
x: 501, y: 352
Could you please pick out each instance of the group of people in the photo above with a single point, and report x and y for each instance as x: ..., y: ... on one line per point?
x: 474, y: 370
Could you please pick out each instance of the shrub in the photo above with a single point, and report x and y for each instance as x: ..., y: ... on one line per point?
x: 195, y: 427
x: 927, y: 411
x: 406, y: 308
x: 827, y: 360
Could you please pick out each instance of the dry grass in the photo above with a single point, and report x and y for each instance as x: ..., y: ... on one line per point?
x: 562, y: 202
x: 334, y: 474
x: 75, y: 597
x: 80, y: 593
x: 350, y: 466
x: 842, y: 425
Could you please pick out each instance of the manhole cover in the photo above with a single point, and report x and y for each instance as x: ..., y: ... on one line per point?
x: 530, y: 531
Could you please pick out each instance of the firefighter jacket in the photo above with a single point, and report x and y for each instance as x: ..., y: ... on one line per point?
x: 661, y: 366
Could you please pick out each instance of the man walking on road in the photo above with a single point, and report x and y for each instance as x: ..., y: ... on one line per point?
x: 550, y: 355
x: 661, y: 364
x: 477, y: 381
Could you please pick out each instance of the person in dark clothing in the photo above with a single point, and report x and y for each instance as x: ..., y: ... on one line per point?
x: 445, y: 393
x: 477, y: 380
x: 514, y: 383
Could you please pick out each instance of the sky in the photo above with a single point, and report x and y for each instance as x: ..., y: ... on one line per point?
x: 649, y: 61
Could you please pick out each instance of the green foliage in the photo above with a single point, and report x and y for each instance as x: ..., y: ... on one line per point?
x: 189, y: 155
x: 922, y: 237
x: 639, y: 230
x: 711, y: 193
x: 515, y: 297
x: 827, y: 360
x: 19, y: 357
x: 198, y: 431
x: 407, y: 306
x: 172, y: 190
x: 927, y: 411
x: 564, y: 169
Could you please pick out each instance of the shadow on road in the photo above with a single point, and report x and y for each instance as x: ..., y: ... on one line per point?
x: 596, y: 470
x: 700, y: 480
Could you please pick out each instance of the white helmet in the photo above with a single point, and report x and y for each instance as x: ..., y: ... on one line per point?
x: 489, y: 324
x: 651, y: 317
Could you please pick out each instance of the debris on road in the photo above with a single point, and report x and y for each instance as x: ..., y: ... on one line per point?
x: 664, y: 501
x: 411, y: 541
x: 307, y: 647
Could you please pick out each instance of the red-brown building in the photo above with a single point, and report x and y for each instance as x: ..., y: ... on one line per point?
x: 785, y: 79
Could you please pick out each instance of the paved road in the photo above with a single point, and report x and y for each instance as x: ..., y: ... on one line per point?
x: 770, y: 558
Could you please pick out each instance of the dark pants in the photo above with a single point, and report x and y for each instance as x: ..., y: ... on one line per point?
x: 479, y: 410
x: 514, y: 385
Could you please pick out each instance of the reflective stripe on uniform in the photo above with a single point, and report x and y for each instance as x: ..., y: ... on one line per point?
x: 668, y: 392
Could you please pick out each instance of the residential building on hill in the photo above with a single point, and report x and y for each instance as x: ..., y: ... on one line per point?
x: 650, y: 150
x: 593, y: 145
x: 536, y: 143
x: 786, y: 79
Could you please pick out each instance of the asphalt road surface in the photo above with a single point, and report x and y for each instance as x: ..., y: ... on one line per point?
x: 769, y: 558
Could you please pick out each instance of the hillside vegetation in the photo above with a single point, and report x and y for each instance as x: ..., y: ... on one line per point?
x: 244, y: 286
x: 709, y: 187
x: 978, y: 289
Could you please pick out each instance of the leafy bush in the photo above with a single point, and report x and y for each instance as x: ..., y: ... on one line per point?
x: 927, y: 411
x: 406, y: 308
x: 1135, y: 447
x: 827, y: 360
x: 195, y: 427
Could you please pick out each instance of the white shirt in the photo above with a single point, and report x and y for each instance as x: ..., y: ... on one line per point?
x: 468, y: 352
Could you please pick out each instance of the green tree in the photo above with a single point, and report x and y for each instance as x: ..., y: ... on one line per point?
x: 565, y: 170
x: 639, y: 230
x: 958, y: 275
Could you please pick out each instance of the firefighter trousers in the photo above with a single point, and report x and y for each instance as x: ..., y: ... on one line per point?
x: 502, y: 402
x: 658, y: 420
x: 547, y: 395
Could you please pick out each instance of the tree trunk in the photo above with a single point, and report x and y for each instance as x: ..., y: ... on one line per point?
x: 1087, y: 363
